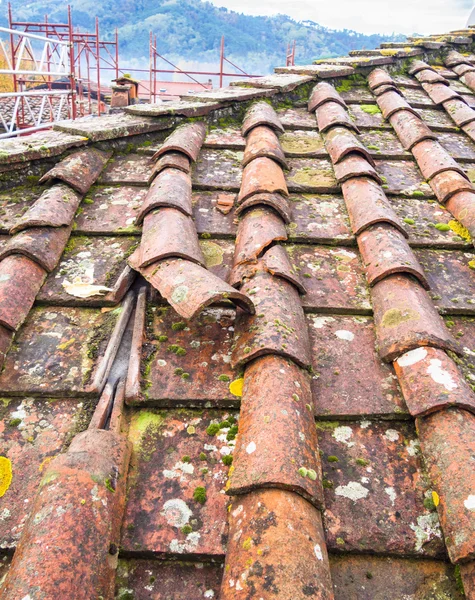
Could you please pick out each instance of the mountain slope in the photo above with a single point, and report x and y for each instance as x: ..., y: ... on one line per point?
x: 192, y: 29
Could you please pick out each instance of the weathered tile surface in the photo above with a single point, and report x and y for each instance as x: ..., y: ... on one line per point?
x: 32, y: 432
x: 297, y: 119
x: 56, y: 351
x: 403, y: 177
x: 312, y: 176
x: 333, y: 277
x: 14, y: 203
x: 173, y: 455
x: 132, y: 169
x: 225, y: 137
x: 373, y: 468
x: 350, y: 379
x: 303, y: 143
x: 218, y: 169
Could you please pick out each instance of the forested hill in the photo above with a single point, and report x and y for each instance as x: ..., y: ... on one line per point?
x: 192, y: 29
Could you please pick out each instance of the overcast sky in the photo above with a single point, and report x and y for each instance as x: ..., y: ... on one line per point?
x: 366, y: 16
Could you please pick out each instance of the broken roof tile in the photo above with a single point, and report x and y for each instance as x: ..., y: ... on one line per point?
x: 431, y: 381
x: 261, y: 113
x: 340, y: 345
x: 447, y: 443
x: 410, y: 129
x: 170, y: 189
x: 44, y: 245
x: 275, y: 201
x: 373, y: 467
x: 187, y: 139
x: 54, y: 208
x: 276, y: 419
x: 167, y: 466
x: 385, y: 251
x: 340, y: 142
x: 80, y: 169
x: 20, y: 281
x: 189, y: 288
x: 405, y: 318
x: 168, y: 233
x: 277, y: 262
x: 331, y: 114
x: 262, y: 175
x: 367, y: 205
x: 448, y: 183
x: 354, y: 165
x: 278, y: 327
x: 324, y: 92
x: 257, y: 229
x: 263, y: 142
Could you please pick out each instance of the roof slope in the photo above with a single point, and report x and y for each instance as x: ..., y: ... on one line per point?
x: 238, y: 335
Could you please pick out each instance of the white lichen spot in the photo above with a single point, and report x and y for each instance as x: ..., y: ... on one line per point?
x: 251, y: 447
x: 318, y: 552
x: 238, y: 511
x: 208, y: 594
x: 343, y: 434
x: 5, y: 514
x: 390, y: 491
x: 412, y: 357
x: 176, y: 512
x: 353, y: 490
x: 161, y: 362
x: 469, y: 503
x: 413, y: 448
x: 440, y: 375
x: 365, y: 424
x: 319, y: 322
x: 392, y: 435
x: 426, y: 529
x: 189, y: 545
x: 343, y: 334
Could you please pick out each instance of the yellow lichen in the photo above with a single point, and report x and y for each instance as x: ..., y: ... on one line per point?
x: 460, y: 230
x: 435, y: 498
x: 236, y: 386
x: 5, y: 474
x: 247, y: 544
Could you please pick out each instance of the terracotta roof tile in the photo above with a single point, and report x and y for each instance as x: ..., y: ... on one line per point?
x: 323, y: 71
x: 406, y: 318
x: 261, y: 113
x: 391, y: 102
x: 225, y: 137
x: 54, y: 208
x: 311, y: 176
x: 430, y: 76
x: 289, y: 525
x: 276, y: 419
x: 262, y: 175
x: 284, y: 82
x: 462, y: 206
x: 454, y: 58
x: 133, y: 169
x: 43, y: 245
x: 340, y: 142
x: 21, y: 279
x: 232, y: 93
x: 322, y: 93
x: 469, y: 79
x: 379, y: 77
x: 172, y: 160
x: 354, y: 165
x: 462, y: 69
x: 170, y: 189
x: 440, y: 93
x: 331, y: 114
x: 276, y: 261
x: 448, y: 183
x: 257, y: 229
x: 410, y: 129
x: 185, y: 108
x: 278, y: 327
x: 385, y: 251
x: 432, y: 159
x: 339, y: 387
x: 377, y: 472
x: 186, y: 139
x: 38, y: 145
x: 275, y: 201
x: 459, y: 112
x: 367, y: 205
x: 431, y: 381
x: 379, y: 91
x: 218, y: 170
x: 167, y: 233
x: 299, y: 143
x: 417, y: 66
x: 319, y: 219
x: 447, y: 442
x: 263, y: 142
x: 79, y: 170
